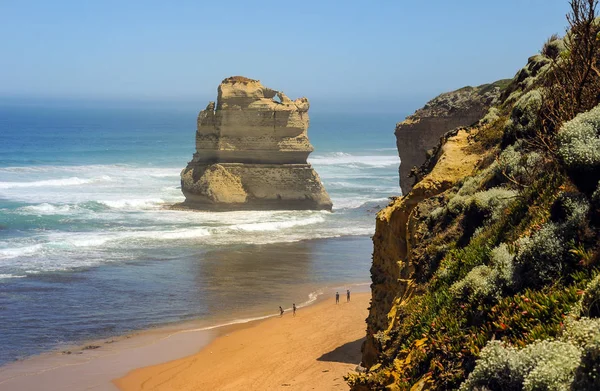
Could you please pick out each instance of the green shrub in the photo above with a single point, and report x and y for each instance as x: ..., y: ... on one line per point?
x: 518, y: 166
x: 491, y: 202
x: 587, y: 376
x: 540, y: 256
x: 502, y: 261
x: 492, y: 116
x: 486, y: 283
x: 553, y: 47
x: 542, y: 365
x: 585, y: 333
x: 579, y: 146
x: 596, y: 195
x: 590, y: 300
x: 525, y: 117
x: 481, y: 283
x: 582, y: 332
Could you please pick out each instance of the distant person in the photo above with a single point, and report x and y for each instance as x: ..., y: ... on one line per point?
x: 337, y: 297
x: 294, y: 309
x: 348, y: 296
x: 280, y: 311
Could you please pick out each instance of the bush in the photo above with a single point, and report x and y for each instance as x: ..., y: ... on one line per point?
x: 525, y: 117
x: 481, y: 283
x: 584, y: 332
x: 579, y: 141
x: 518, y: 166
x: 553, y: 47
x: 590, y: 301
x: 596, y: 195
x: 587, y: 376
x: 540, y: 256
x: 502, y: 261
x: 542, y: 365
x: 579, y: 148
x: 486, y: 283
x: 491, y: 202
x: 492, y: 116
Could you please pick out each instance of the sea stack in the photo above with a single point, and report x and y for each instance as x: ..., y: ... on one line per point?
x: 251, y: 152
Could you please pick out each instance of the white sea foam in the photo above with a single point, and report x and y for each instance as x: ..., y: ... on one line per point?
x: 356, y: 203
x: 72, y: 181
x: 356, y: 161
x: 46, y: 209
x: 10, y: 276
x: 16, y: 252
x: 139, y: 203
x: 277, y: 225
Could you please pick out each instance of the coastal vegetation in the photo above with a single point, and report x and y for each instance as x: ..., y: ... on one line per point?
x: 489, y: 278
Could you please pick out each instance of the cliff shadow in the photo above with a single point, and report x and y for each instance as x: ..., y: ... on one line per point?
x: 348, y: 353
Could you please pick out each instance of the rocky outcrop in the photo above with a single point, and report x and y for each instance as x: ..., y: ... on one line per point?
x: 251, y: 152
x: 420, y: 132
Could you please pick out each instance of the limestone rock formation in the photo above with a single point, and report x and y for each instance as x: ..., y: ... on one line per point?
x: 251, y: 152
x: 421, y: 131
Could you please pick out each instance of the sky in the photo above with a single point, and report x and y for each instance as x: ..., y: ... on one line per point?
x: 343, y: 55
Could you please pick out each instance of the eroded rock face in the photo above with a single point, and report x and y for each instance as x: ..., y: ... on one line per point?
x: 420, y: 132
x: 251, y: 152
x: 393, y: 271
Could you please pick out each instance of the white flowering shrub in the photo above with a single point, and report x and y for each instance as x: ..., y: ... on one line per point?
x: 524, y: 119
x: 587, y: 376
x: 481, y: 283
x: 493, y: 201
x: 492, y: 116
x: 579, y: 141
x: 502, y: 261
x: 518, y: 166
x: 486, y: 282
x: 542, y: 365
x: 540, y: 256
x: 584, y: 332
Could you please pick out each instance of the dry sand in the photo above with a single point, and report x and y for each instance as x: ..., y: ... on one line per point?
x: 312, y: 351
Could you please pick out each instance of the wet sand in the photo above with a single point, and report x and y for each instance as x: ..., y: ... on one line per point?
x: 312, y: 351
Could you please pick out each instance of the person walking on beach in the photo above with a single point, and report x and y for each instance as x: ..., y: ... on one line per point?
x: 348, y: 296
x: 280, y: 311
x: 337, y: 297
x: 294, y: 309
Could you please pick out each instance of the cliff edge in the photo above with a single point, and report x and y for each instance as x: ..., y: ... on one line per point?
x: 421, y: 131
x: 486, y: 274
x: 251, y: 152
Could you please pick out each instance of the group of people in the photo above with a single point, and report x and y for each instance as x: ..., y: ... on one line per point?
x: 281, y: 311
x: 337, y: 301
x: 337, y: 296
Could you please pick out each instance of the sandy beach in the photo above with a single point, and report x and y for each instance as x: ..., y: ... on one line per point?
x: 311, y: 351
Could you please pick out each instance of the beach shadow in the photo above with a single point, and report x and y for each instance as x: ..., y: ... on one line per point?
x: 348, y: 353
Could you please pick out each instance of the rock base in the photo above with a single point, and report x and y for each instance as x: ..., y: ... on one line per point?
x: 235, y: 186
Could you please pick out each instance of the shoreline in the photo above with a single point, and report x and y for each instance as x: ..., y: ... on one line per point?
x: 313, y: 350
x: 95, y: 363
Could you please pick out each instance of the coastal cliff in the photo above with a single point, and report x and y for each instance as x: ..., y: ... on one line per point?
x: 420, y: 132
x: 251, y: 152
x: 485, y: 274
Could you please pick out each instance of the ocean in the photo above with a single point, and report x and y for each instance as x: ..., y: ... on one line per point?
x: 88, y: 249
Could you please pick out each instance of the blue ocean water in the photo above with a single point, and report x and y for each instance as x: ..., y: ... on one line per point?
x: 87, y: 248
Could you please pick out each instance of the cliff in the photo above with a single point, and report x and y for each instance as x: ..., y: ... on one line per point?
x: 420, y: 132
x: 485, y: 274
x: 251, y: 152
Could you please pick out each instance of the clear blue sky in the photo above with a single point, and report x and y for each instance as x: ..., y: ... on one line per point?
x: 341, y: 54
